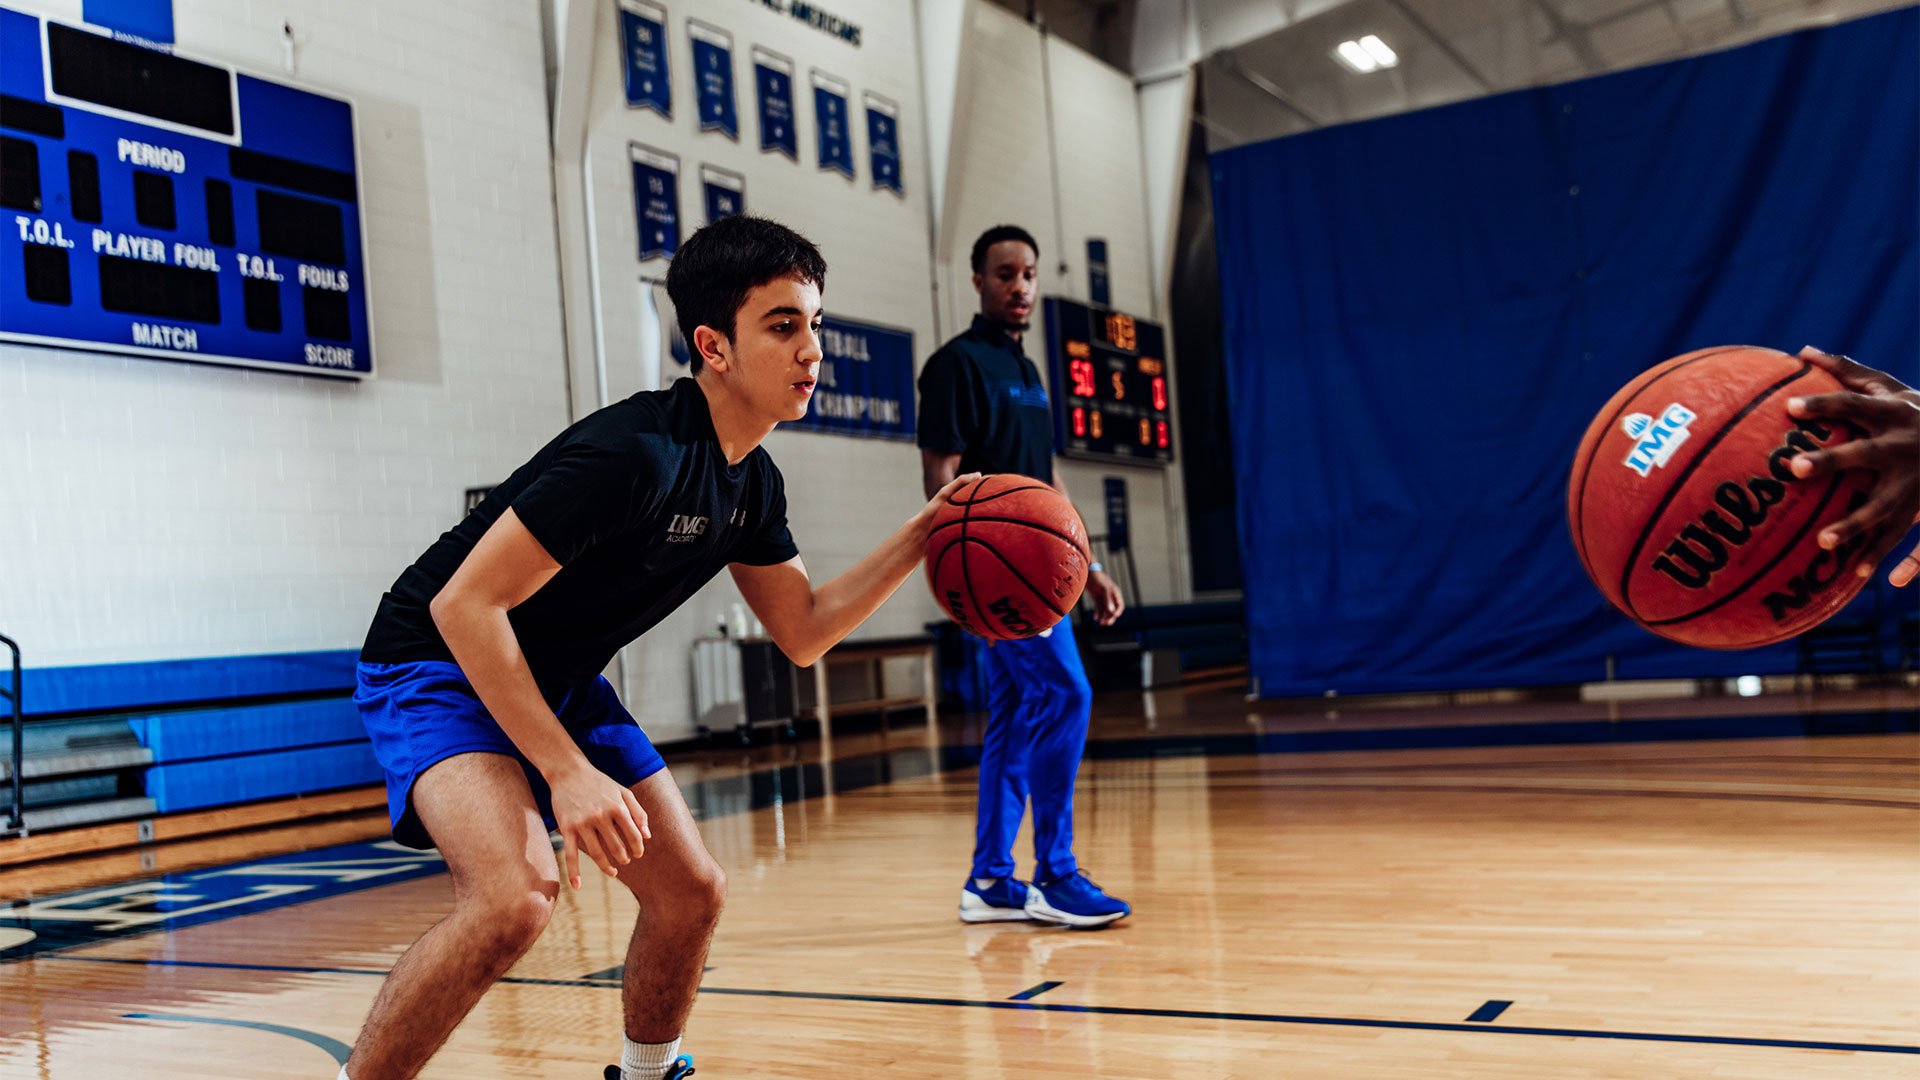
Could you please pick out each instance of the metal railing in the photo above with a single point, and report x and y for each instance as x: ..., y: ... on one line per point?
x: 16, y: 821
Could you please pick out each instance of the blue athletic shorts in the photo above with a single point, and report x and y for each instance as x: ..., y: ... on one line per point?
x: 419, y: 714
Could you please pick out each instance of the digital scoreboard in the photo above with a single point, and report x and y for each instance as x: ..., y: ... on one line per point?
x: 1109, y: 374
x: 161, y: 206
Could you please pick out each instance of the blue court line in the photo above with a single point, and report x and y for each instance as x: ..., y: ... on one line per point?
x: 1488, y: 1013
x: 1099, y: 1010
x: 335, y: 1047
x: 1032, y: 992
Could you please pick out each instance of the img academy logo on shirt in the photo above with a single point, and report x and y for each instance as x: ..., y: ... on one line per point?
x: 1655, y: 441
x: 685, y: 527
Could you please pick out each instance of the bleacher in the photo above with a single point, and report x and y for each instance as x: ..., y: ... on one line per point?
x: 112, y: 742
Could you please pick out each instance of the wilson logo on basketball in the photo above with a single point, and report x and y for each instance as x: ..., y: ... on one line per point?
x: 957, y: 608
x: 1010, y: 617
x: 1703, y: 547
x: 1656, y: 440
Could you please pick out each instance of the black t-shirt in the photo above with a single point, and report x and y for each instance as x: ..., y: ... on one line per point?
x: 638, y: 506
x: 981, y: 398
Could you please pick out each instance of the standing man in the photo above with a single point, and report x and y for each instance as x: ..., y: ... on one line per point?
x: 983, y: 409
x: 480, y: 680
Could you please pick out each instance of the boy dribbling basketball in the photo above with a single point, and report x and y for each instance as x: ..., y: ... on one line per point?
x: 480, y: 679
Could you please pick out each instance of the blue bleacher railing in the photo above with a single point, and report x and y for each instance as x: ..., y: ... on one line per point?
x: 15, y: 820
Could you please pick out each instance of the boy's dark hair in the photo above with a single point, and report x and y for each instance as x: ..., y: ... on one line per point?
x: 717, y: 267
x: 995, y: 235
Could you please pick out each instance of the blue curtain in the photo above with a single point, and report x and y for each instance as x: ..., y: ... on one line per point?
x: 1422, y: 313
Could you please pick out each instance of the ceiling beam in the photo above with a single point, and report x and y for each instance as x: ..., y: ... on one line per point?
x: 1270, y: 88
x: 1440, y: 42
x: 1575, y: 34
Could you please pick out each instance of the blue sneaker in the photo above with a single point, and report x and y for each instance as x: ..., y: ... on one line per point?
x: 1006, y: 900
x: 1074, y: 901
x: 681, y: 1068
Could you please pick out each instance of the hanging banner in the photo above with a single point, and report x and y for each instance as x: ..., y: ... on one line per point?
x: 713, y: 78
x: 773, y: 84
x: 725, y: 192
x: 830, y: 116
x: 643, y: 43
x: 656, y: 200
x: 866, y: 382
x: 883, y: 141
x: 1119, y: 535
x: 1098, y: 291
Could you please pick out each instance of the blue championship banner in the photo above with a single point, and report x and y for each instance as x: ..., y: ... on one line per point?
x: 713, y: 78
x: 643, y: 46
x: 725, y: 192
x: 656, y: 200
x: 773, y: 85
x: 866, y: 382
x: 883, y: 141
x: 830, y: 116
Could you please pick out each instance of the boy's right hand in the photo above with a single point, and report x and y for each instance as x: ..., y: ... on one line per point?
x: 597, y: 816
x: 924, y: 519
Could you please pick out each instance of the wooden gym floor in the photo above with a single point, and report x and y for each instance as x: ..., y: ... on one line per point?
x: 1425, y: 890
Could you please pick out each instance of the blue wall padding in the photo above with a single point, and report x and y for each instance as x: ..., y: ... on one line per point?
x: 1423, y: 313
x: 212, y: 733
x: 199, y: 784
x: 101, y: 687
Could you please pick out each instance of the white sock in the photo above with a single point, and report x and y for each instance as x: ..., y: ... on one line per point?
x: 984, y: 882
x: 647, y: 1061
x: 343, y: 1074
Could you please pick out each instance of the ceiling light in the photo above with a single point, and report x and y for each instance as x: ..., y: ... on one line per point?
x: 1378, y: 49
x: 1355, y: 55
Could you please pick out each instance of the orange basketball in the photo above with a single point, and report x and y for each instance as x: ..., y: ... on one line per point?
x: 1007, y: 557
x: 1686, y: 515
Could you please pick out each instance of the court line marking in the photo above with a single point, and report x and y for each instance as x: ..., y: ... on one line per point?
x: 1032, y: 992
x: 340, y: 1051
x: 1488, y: 1013
x: 1091, y: 1010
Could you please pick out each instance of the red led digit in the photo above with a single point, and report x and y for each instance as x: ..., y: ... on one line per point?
x: 1082, y: 372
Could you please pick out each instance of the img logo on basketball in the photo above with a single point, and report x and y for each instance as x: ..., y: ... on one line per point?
x: 1656, y: 440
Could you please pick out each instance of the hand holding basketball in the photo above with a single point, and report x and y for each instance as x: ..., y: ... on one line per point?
x: 1007, y: 556
x: 1688, y: 515
x: 1890, y: 412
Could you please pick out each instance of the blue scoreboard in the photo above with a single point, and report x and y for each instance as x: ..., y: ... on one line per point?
x: 161, y: 206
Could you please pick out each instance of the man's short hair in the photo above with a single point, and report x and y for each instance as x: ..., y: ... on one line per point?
x: 717, y: 267
x: 995, y: 235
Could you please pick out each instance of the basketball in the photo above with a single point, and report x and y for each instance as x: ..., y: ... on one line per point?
x: 1007, y: 557
x: 1685, y: 511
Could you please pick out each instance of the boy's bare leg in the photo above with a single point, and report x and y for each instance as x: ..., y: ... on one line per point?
x: 681, y: 890
x: 481, y: 815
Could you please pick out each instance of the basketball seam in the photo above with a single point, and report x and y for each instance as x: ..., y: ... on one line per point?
x: 1011, y: 569
x: 1027, y: 524
x: 1680, y: 481
x: 979, y: 612
x: 1586, y: 471
x: 998, y: 494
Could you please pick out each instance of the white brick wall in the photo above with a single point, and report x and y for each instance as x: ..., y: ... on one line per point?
x: 1006, y: 175
x: 157, y: 510
x: 844, y: 494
